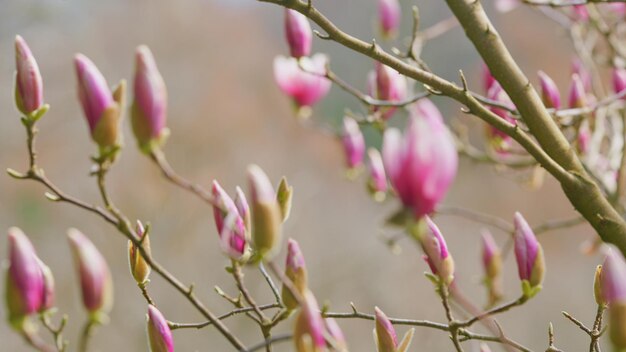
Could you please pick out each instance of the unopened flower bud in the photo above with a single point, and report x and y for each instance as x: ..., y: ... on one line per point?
x: 613, y: 277
x: 353, y: 142
x: 334, y: 331
x: 95, y: 278
x: 385, y: 334
x: 387, y: 84
x: 295, y: 270
x: 436, y: 253
x: 549, y: 91
x: 230, y: 224
x: 159, y: 333
x: 528, y: 254
x: 149, y: 110
x: 303, y: 80
x: 102, y: 111
x: 619, y: 80
x: 377, y: 181
x: 309, y: 328
x: 284, y: 195
x: 492, y: 265
x: 389, y: 15
x: 266, y: 214
x: 597, y: 287
x: 243, y: 208
x: 577, y: 94
x: 47, y: 298
x: 499, y: 140
x: 487, y: 78
x: 25, y: 285
x: 28, y: 82
x: 298, y: 33
x: 138, y: 266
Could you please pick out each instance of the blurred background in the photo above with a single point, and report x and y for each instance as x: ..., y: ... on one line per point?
x: 226, y: 112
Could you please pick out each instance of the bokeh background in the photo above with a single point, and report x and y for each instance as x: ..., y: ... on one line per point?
x: 226, y: 112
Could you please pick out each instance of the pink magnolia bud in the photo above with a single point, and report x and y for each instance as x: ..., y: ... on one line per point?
x: 613, y: 277
x: 299, y: 34
x: 499, y: 140
x: 230, y: 224
x: 619, y: 80
x: 266, y: 215
x: 389, y: 15
x: 385, y: 334
x: 583, y: 139
x: 353, y: 142
x: 100, y: 108
x: 95, y: 278
x: 47, y: 298
x: 149, y: 110
x: 306, y: 85
x: 159, y: 333
x: 295, y: 270
x: 226, y: 205
x: 436, y: 253
x: 506, y: 5
x: 334, y: 331
x: 488, y: 78
x: 28, y: 82
x: 492, y: 265
x: 387, y: 84
x: 309, y: 329
x: 577, y: 94
x: 377, y: 182
x: 25, y: 287
x: 243, y: 208
x: 549, y: 91
x: 422, y: 164
x: 528, y: 253
x: 139, y: 268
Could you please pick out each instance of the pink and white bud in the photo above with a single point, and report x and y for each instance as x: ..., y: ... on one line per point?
x: 298, y: 33
x: 47, y: 298
x: 389, y: 15
x: 303, y: 80
x: 619, y: 80
x: 387, y: 84
x: 149, y: 110
x: 613, y: 277
x: 266, y: 214
x: 353, y: 142
x: 384, y: 333
x: 230, y: 224
x: 243, y: 208
x: 159, y: 333
x: 436, y: 253
x: 528, y: 253
x: 95, y: 278
x: 334, y: 331
x: 28, y: 81
x: 577, y: 93
x: 309, y: 329
x: 499, y: 140
x: 422, y: 164
x: 377, y: 181
x: 139, y: 268
x: 492, y: 266
x: 549, y: 91
x: 25, y: 286
x: 99, y: 106
x: 295, y: 270
x: 487, y: 78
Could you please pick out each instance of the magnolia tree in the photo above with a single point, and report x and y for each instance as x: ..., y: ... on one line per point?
x: 579, y: 141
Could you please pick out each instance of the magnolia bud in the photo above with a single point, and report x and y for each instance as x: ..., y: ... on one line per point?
x: 47, y: 298
x: 619, y: 80
x: 387, y: 84
x: 549, y: 91
x: 95, y: 278
x: 613, y: 278
x: 487, y: 78
x: 298, y: 32
x: 230, y: 224
x: 309, y: 328
x: 597, y: 287
x: 284, y: 195
x: 384, y: 334
x: 102, y: 111
x: 389, y: 14
x: 436, y: 253
x: 243, y: 208
x: 25, y: 286
x: 492, y: 265
x: 28, y: 82
x: 266, y: 214
x: 138, y: 266
x: 159, y: 333
x: 302, y: 79
x: 353, y: 142
x: 149, y: 110
x: 334, y: 331
x: 377, y: 182
x: 529, y: 255
x: 295, y: 270
x: 499, y: 140
x: 577, y: 94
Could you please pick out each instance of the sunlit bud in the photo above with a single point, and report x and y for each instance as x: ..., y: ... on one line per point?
x: 577, y: 94
x: 582, y: 72
x: 138, y: 266
x: 28, y: 82
x: 387, y: 84
x: 95, y: 278
x: 499, y: 140
x: 614, y: 277
x: 353, y: 142
x: 243, y: 208
x: 266, y: 214
x: 24, y: 280
x: 492, y: 265
x: 47, y: 299
x: 149, y: 110
x: 302, y: 79
x: 295, y: 270
x: 102, y: 111
x: 488, y: 78
x: 422, y: 164
x: 506, y: 5
x: 159, y: 333
x: 284, y: 194
x: 334, y: 331
x: 528, y: 253
x: 309, y: 328
x: 385, y: 334
x: 549, y: 91
x: 597, y: 287
x: 298, y: 32
x: 436, y: 253
x: 389, y: 15
x: 377, y: 181
x: 619, y: 80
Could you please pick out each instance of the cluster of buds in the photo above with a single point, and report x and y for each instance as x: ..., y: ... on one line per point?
x: 385, y: 335
x: 29, y: 282
x: 610, y: 289
x: 301, y: 76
